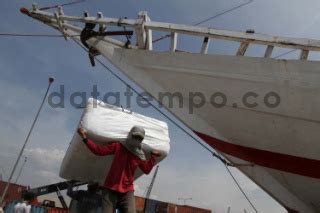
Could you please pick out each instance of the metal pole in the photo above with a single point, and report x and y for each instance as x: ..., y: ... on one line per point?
x: 150, y: 189
x: 24, y: 162
x: 25, y: 143
x: 185, y: 199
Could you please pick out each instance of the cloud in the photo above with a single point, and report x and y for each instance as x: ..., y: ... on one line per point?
x: 51, y: 177
x: 45, y: 158
x: 42, y: 166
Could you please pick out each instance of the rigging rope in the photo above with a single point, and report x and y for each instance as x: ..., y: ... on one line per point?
x: 286, y: 53
x: 294, y: 50
x: 60, y: 5
x: 209, y: 19
x: 214, y: 154
x: 32, y: 35
x: 240, y: 188
x: 224, y: 12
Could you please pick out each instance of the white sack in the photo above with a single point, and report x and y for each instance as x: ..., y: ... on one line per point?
x: 105, y: 123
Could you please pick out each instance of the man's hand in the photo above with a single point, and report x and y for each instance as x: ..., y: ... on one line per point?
x: 72, y: 182
x: 82, y: 133
x: 156, y: 153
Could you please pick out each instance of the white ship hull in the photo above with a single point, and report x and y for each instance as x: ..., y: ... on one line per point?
x: 281, y: 142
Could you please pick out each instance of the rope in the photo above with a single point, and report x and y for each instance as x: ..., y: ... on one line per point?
x: 286, y: 53
x: 208, y: 19
x: 225, y: 163
x: 32, y: 35
x: 28, y: 35
x: 224, y: 12
x: 240, y: 188
x: 60, y: 5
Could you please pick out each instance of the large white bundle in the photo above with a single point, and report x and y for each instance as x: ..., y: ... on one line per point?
x: 105, y: 123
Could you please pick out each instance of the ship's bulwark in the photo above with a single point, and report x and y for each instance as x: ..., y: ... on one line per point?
x: 279, y: 134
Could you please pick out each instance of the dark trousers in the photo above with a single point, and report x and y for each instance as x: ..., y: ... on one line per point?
x: 112, y: 200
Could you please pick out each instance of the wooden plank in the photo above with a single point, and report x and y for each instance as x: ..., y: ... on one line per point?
x: 304, y: 54
x: 140, y: 29
x: 149, y: 40
x: 268, y: 52
x: 149, y: 33
x: 60, y: 24
x: 102, y: 27
x: 140, y: 37
x: 205, y: 45
x: 243, y: 48
x: 173, y: 42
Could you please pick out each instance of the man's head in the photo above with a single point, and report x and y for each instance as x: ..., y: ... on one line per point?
x: 136, y: 135
x: 28, y: 196
x: 134, y: 140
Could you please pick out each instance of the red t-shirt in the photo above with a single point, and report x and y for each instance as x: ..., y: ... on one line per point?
x: 124, y: 165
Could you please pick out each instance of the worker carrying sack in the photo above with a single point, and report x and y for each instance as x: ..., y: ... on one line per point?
x: 105, y: 123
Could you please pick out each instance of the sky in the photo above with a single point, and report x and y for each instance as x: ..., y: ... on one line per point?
x: 189, y: 170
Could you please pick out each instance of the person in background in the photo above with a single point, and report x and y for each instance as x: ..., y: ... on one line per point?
x: 118, y: 189
x: 86, y: 201
x: 24, y: 206
x: 2, y: 207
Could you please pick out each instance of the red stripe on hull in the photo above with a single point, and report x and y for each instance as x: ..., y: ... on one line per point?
x: 283, y: 162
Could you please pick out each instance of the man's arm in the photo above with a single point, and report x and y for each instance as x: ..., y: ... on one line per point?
x: 147, y: 165
x: 100, y: 150
x: 70, y: 191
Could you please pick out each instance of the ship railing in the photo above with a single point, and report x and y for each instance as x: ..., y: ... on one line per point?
x: 144, y: 28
